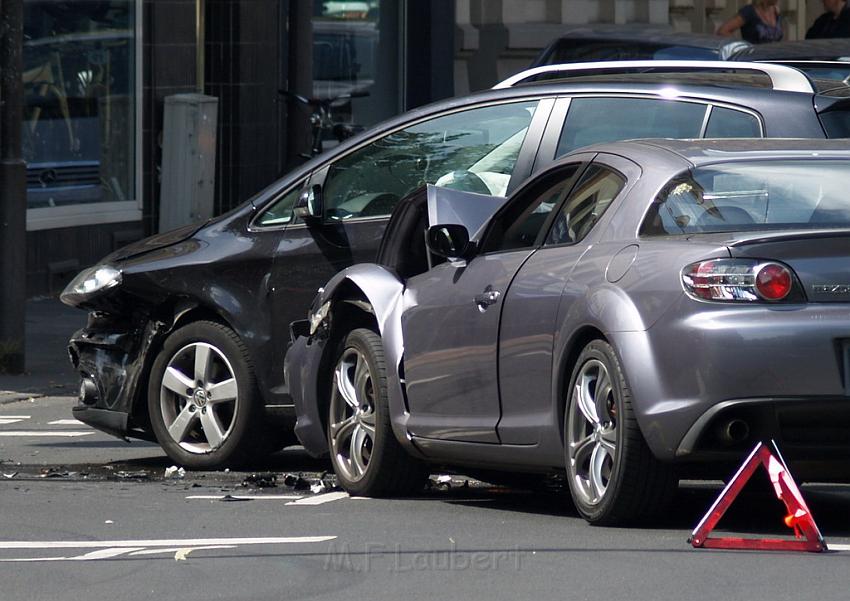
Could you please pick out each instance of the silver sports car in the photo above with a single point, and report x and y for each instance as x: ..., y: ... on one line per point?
x: 638, y: 312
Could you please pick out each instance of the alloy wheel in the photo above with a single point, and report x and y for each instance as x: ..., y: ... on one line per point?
x: 199, y: 398
x: 352, y: 412
x: 592, y: 432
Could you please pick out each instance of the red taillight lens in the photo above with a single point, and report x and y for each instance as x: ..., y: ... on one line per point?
x: 774, y: 281
x: 738, y: 280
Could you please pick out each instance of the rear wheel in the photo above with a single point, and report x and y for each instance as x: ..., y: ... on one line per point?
x: 367, y: 458
x: 203, y: 402
x: 612, y: 474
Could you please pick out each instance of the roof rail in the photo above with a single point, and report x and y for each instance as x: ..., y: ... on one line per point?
x: 782, y: 78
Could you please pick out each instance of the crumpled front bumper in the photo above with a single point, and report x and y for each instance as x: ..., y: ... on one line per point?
x: 301, y: 371
x: 111, y: 355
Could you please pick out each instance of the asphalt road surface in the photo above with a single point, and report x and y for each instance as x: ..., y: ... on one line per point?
x: 87, y: 517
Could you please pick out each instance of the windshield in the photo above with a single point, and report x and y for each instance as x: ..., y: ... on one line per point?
x: 758, y: 195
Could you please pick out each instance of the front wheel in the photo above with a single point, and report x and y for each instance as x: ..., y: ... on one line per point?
x: 612, y: 474
x: 203, y: 402
x: 366, y: 457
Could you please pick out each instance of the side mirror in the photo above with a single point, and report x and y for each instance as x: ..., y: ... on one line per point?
x: 450, y: 241
x: 309, y: 204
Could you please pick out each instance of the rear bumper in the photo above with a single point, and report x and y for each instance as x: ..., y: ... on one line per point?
x: 783, y: 369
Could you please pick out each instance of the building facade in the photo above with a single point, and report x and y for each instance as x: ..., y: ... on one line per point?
x: 97, y: 73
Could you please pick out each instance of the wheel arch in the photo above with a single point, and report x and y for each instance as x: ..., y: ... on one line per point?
x: 579, y: 339
x: 368, y: 296
x: 171, y: 315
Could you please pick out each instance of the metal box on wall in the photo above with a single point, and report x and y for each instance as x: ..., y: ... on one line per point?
x: 188, y: 160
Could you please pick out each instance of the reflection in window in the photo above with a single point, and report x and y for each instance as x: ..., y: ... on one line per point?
x: 79, y: 113
x: 596, y: 120
x: 747, y: 196
x: 473, y: 150
x: 595, y: 191
x: 355, y: 53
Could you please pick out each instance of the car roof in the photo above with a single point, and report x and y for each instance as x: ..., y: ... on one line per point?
x: 645, y: 34
x: 704, y: 151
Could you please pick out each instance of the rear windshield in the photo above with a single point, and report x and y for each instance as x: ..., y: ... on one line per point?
x: 583, y: 50
x: 758, y: 195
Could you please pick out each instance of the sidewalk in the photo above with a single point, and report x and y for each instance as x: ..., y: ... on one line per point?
x: 48, y: 369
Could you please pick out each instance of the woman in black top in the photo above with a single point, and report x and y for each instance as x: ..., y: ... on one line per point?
x: 834, y: 23
x: 759, y: 22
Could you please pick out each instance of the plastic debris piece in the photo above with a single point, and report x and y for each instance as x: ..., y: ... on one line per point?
x: 137, y: 475
x: 260, y: 480
x: 175, y: 473
x: 54, y: 472
x: 108, y: 522
x: 231, y: 499
x: 12, y: 475
x: 296, y: 481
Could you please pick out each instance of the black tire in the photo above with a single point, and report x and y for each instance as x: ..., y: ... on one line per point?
x: 638, y: 485
x: 388, y: 470
x: 240, y: 422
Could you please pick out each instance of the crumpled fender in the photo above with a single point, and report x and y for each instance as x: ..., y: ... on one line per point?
x: 383, y: 292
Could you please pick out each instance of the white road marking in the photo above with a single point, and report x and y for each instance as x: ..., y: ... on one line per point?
x: 180, y: 547
x: 11, y: 419
x: 184, y: 551
x: 66, y: 422
x: 320, y: 499
x: 246, y: 497
x: 66, y: 434
x: 833, y: 547
x: 166, y: 542
x: 14, y: 416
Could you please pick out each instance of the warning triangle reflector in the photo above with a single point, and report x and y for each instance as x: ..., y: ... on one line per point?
x: 807, y: 537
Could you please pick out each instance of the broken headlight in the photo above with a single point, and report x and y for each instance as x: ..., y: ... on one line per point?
x: 90, y: 283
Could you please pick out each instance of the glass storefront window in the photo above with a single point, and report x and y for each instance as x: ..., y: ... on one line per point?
x: 79, y: 129
x: 355, y: 52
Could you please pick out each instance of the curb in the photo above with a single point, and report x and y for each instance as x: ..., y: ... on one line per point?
x: 7, y: 396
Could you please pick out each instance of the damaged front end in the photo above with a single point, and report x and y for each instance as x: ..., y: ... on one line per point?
x: 113, y: 352
x: 112, y: 356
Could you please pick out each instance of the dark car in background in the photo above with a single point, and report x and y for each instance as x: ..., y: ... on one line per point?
x: 638, y: 312
x: 623, y: 42
x: 187, y: 330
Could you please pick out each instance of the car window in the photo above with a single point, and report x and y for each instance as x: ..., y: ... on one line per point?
x: 751, y: 196
x: 595, y: 120
x: 579, y: 50
x: 592, y: 195
x: 521, y: 223
x: 279, y: 211
x: 729, y: 123
x: 473, y: 150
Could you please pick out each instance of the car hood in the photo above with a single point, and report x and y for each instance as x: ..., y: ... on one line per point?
x: 155, y: 242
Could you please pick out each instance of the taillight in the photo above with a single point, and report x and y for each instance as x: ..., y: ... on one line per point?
x: 738, y: 280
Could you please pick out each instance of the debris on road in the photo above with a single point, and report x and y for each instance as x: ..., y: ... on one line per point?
x: 12, y: 475
x: 260, y: 480
x: 136, y: 475
x: 56, y: 472
x: 175, y: 473
x: 108, y: 522
x: 231, y: 498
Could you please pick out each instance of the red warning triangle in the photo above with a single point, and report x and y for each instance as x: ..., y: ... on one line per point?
x: 807, y: 535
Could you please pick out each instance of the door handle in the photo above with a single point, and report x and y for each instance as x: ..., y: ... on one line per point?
x: 487, y: 298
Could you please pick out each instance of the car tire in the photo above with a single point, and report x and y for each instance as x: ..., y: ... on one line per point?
x: 366, y: 457
x: 612, y: 474
x: 203, y: 402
